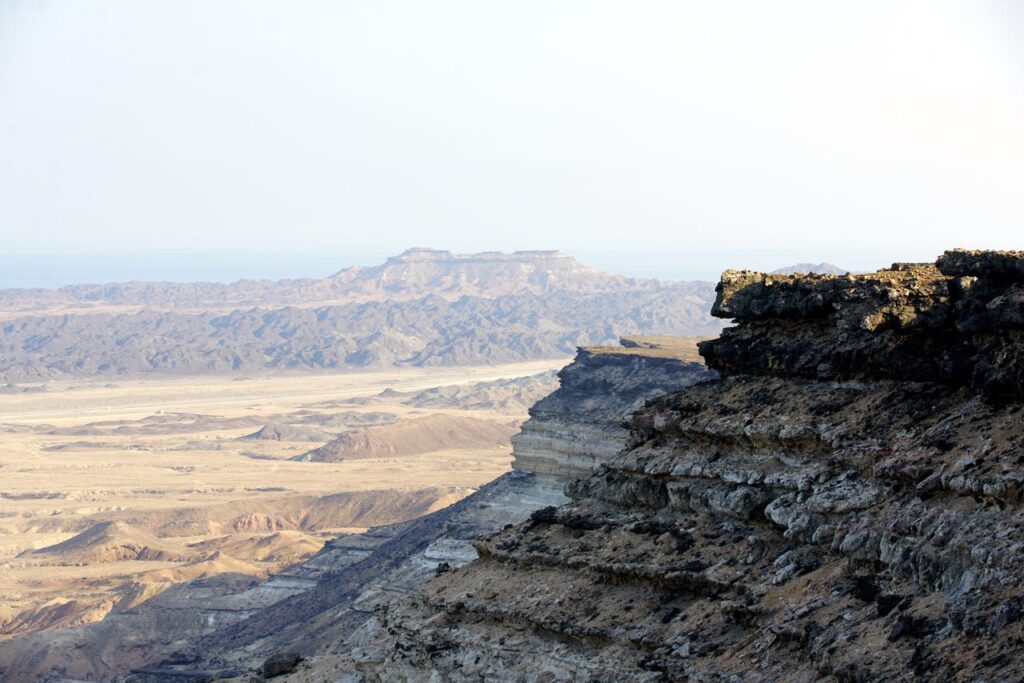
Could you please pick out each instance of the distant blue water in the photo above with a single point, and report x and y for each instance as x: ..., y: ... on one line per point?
x: 56, y: 270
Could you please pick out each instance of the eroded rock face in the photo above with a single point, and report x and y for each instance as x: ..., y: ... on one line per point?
x: 843, y: 505
x: 313, y: 609
x: 960, y: 322
x: 581, y: 425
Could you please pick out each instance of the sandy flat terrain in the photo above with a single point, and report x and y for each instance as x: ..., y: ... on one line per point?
x: 109, y: 492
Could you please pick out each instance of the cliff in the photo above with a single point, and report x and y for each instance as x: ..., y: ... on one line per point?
x: 844, y: 504
x: 579, y: 426
x: 214, y: 629
x: 596, y: 391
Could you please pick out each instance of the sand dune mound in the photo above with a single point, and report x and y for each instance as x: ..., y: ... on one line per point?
x: 219, y: 562
x: 374, y: 508
x: 112, y: 542
x: 413, y: 437
x: 516, y: 393
x: 57, y: 613
x: 281, y: 546
x: 277, y: 431
x: 149, y: 584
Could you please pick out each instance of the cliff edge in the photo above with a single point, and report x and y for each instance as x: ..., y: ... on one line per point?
x: 844, y: 504
x: 204, y: 631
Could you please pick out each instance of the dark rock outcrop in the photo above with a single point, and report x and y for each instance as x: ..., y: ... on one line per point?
x: 960, y: 323
x: 844, y: 504
x: 280, y: 664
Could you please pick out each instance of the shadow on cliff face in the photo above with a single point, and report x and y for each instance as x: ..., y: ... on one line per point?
x: 958, y: 322
x: 843, y: 504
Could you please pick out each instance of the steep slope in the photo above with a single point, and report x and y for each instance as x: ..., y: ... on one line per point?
x: 211, y: 626
x: 412, y: 437
x: 113, y: 542
x: 575, y: 429
x: 844, y: 504
x: 355, y: 575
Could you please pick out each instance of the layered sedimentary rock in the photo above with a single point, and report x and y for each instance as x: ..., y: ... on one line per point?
x: 844, y: 504
x: 959, y: 322
x: 577, y: 428
x: 213, y: 629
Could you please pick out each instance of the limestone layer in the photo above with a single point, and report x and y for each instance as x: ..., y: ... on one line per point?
x: 315, y: 608
x: 844, y: 504
x: 582, y: 424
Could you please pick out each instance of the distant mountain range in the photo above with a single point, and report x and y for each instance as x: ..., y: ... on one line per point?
x: 413, y: 274
x: 423, y: 307
x: 819, y: 268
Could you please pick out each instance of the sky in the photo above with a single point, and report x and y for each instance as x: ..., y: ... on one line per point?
x: 216, y: 139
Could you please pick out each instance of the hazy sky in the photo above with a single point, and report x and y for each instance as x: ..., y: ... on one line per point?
x: 635, y: 132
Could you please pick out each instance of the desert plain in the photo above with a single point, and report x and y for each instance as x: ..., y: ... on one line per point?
x: 112, y: 491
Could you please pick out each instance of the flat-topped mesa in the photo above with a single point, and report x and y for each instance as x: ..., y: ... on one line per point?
x: 958, y: 322
x: 572, y: 431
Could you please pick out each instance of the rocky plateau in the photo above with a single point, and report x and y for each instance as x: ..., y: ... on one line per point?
x: 843, y: 504
x: 835, y: 496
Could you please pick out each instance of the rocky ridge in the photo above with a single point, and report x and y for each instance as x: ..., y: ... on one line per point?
x: 844, y: 504
x: 409, y: 275
x: 422, y: 308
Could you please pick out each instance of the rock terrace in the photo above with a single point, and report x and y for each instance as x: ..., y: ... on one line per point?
x: 844, y: 504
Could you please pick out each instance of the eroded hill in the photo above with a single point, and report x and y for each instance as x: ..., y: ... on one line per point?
x: 422, y: 308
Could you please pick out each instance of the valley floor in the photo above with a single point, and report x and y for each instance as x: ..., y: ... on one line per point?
x: 112, y: 492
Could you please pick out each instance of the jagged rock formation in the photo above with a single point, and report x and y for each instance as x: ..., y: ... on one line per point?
x: 960, y: 322
x: 844, y: 504
x: 422, y: 308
